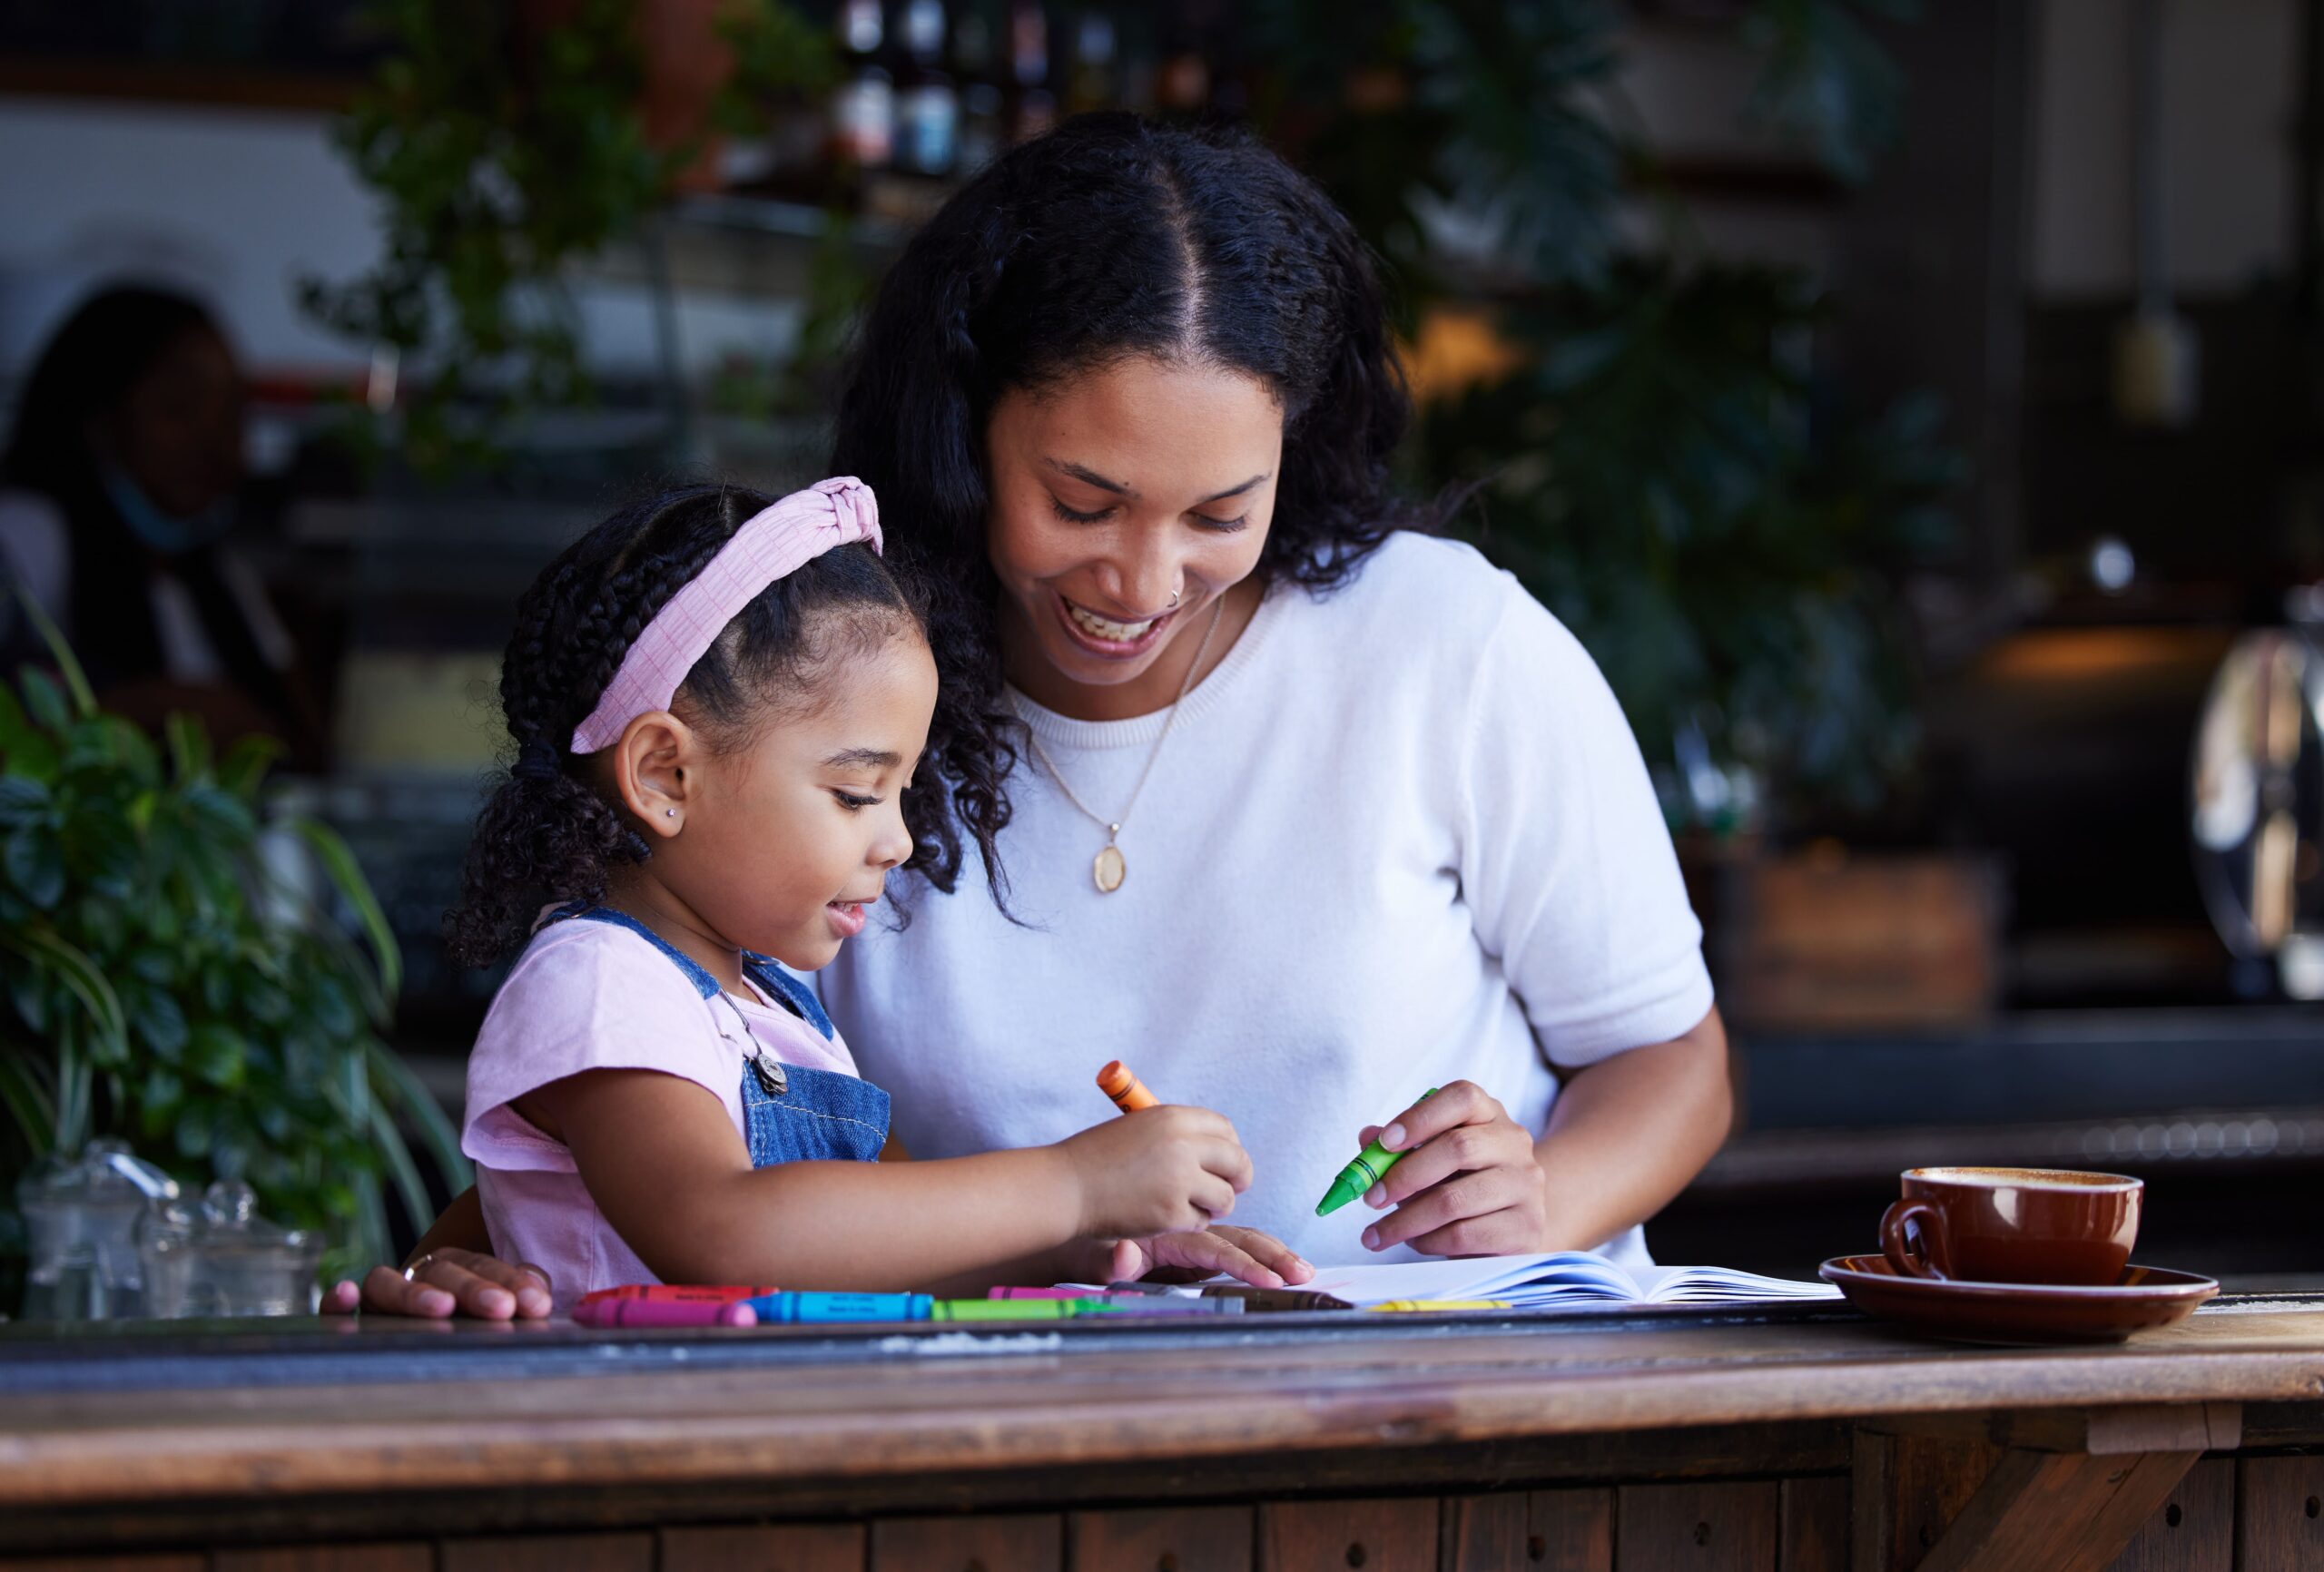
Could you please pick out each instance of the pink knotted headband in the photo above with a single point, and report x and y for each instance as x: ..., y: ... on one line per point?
x: 776, y: 541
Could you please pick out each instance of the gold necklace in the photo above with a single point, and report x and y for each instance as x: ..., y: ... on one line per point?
x: 1109, y: 869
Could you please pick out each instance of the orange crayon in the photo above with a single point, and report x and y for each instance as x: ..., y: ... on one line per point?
x: 1128, y: 1092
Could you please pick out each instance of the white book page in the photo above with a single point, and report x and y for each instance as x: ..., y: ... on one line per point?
x: 1521, y: 1279
x: 1723, y: 1285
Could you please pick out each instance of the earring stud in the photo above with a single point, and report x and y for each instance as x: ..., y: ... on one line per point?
x: 669, y: 813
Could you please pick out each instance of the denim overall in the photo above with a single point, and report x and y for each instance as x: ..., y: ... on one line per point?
x: 790, y: 1114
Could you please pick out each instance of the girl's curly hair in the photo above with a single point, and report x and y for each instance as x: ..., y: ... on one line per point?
x: 549, y: 834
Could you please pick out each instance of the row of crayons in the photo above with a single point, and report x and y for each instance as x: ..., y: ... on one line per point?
x: 686, y: 1305
x: 737, y: 1305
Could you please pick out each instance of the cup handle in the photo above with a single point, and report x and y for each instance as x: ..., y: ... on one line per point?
x: 1932, y: 1259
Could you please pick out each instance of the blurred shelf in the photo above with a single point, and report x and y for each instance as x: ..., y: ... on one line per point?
x: 2217, y: 1138
x: 2078, y: 1068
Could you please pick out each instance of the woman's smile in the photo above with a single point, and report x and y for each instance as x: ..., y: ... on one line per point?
x: 1107, y: 636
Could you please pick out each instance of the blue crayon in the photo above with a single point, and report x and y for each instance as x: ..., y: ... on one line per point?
x: 839, y: 1308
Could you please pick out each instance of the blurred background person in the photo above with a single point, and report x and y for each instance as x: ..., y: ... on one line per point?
x: 121, y: 489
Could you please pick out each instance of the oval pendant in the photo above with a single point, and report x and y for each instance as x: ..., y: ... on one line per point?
x: 1109, y: 869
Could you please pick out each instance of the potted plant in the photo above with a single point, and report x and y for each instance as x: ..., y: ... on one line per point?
x: 167, y: 986
x: 506, y: 143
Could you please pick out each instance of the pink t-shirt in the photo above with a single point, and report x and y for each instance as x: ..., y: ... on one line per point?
x: 588, y: 995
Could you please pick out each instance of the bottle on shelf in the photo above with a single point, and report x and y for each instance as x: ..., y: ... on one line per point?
x: 928, y: 103
x: 864, y: 110
x: 1028, y: 55
x: 976, y: 65
x: 1091, y: 84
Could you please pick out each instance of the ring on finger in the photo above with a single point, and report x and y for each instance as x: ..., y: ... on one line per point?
x: 411, y: 1274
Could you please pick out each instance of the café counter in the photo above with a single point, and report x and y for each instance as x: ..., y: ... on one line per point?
x: 1787, y: 1439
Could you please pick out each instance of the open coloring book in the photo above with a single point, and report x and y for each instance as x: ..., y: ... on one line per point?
x: 1549, y: 1281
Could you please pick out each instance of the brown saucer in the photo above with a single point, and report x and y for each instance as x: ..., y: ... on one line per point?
x: 2019, y: 1312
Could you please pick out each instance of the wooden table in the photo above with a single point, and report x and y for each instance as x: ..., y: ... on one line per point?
x: 1798, y: 1439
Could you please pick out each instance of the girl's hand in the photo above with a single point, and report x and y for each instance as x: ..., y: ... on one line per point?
x: 1261, y: 1260
x: 453, y: 1282
x: 1165, y: 1170
x: 1469, y: 1183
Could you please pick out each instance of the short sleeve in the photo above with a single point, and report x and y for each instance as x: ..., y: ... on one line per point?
x: 585, y: 996
x: 1565, y: 861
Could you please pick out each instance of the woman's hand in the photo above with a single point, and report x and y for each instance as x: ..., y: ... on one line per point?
x: 449, y: 1281
x: 1245, y: 1254
x: 1469, y: 1183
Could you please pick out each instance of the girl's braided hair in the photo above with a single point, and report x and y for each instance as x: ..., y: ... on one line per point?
x: 548, y: 834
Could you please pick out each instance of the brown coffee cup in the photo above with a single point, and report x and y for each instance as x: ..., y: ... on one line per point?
x: 2048, y: 1225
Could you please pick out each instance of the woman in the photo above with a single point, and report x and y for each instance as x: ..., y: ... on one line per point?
x: 116, y: 494
x: 1240, y: 776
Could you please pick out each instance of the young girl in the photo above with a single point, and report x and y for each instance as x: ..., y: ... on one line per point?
x: 718, y: 704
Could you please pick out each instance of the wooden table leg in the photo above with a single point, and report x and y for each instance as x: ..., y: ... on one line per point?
x: 2047, y: 1492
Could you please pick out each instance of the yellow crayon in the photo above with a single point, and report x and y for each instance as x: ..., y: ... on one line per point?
x: 1405, y: 1304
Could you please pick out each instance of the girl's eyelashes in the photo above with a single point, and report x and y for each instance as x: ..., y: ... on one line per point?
x: 852, y: 803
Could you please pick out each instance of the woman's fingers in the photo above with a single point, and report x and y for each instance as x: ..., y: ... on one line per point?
x: 1454, y: 1103
x: 1466, y: 1149
x: 1508, y: 1232
x: 1463, y: 1195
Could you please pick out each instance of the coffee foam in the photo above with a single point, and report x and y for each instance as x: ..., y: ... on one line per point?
x: 2025, y: 1178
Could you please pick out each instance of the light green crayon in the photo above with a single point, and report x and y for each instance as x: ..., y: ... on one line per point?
x: 1371, y: 1165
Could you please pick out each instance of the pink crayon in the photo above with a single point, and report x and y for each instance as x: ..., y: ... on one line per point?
x: 606, y: 1312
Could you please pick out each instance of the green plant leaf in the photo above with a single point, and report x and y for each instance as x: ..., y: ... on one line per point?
x: 79, y: 974
x: 45, y: 703
x: 29, y: 1105
x: 36, y: 865
x: 346, y: 876
x: 245, y: 763
x: 416, y: 1102
x: 160, y: 1022
x: 189, y: 746
x: 22, y: 801
x: 217, y: 1054
x: 76, y: 680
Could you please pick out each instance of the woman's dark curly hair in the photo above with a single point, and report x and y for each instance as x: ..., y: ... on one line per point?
x: 548, y: 834
x: 1110, y: 238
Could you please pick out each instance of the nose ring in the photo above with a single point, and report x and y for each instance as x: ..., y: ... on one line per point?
x: 1173, y: 598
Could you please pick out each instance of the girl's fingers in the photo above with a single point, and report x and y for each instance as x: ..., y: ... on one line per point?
x: 1271, y: 1252
x: 1131, y: 1261
x: 1222, y: 1254
x: 342, y: 1298
x: 490, y: 1287
x: 1230, y: 1162
x: 1214, y: 1196
x: 386, y: 1292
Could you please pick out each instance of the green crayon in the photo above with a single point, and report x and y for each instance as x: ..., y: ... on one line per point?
x: 1371, y: 1167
